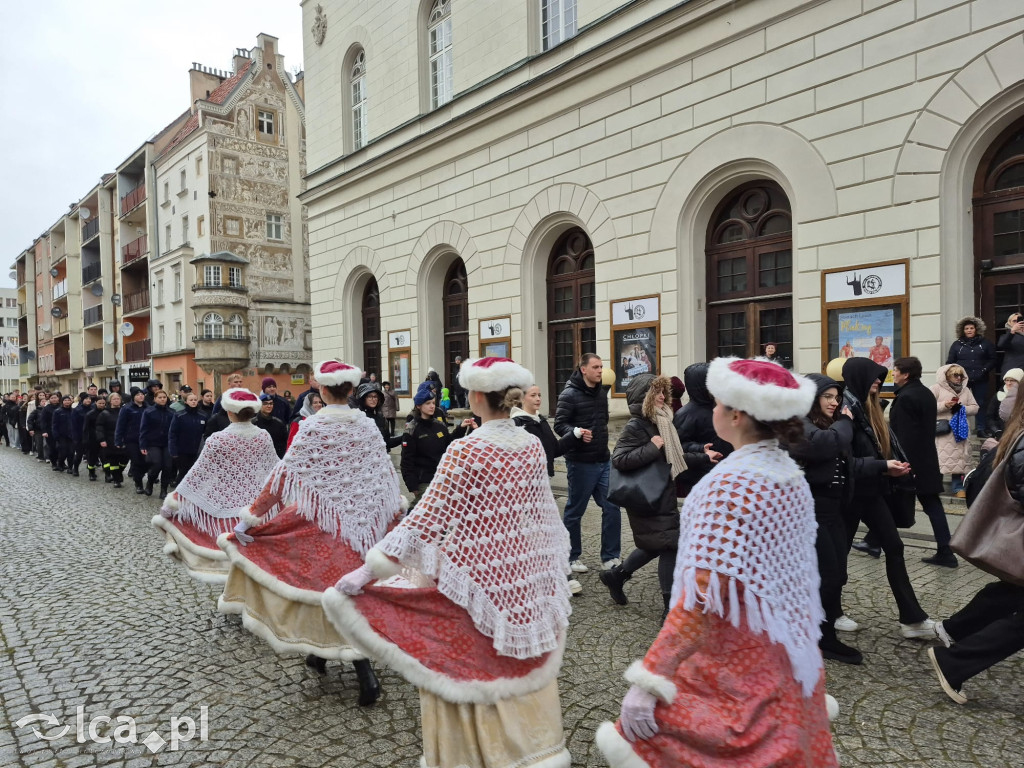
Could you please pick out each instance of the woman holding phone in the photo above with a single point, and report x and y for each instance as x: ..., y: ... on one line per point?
x: 1012, y: 344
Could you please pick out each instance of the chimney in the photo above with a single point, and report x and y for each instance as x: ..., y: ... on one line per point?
x: 201, y: 81
x: 240, y: 60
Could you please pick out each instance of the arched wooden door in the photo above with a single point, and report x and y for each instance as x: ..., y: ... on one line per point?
x: 571, y: 328
x: 371, y: 328
x: 455, y: 300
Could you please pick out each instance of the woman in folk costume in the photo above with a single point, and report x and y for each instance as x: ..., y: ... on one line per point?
x: 483, y: 640
x: 735, y: 676
x: 328, y: 501
x: 210, y: 499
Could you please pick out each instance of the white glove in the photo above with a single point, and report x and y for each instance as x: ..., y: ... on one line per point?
x: 241, y: 535
x: 353, y: 583
x: 637, y: 715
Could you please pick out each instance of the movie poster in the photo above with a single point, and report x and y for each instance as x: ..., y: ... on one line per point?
x: 636, y: 352
x: 399, y: 362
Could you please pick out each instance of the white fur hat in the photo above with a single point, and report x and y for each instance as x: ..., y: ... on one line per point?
x: 331, y: 373
x: 760, y: 388
x: 237, y: 399
x: 493, y: 374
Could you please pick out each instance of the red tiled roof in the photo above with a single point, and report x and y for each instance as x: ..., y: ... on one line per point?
x: 217, y: 96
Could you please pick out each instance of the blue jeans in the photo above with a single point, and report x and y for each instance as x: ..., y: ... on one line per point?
x: 585, y: 481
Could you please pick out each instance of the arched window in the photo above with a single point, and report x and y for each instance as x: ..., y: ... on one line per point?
x: 999, y: 229
x: 439, y: 53
x: 455, y: 300
x: 371, y: 328
x: 571, y: 327
x: 236, y: 327
x: 213, y: 326
x: 750, y: 273
x: 357, y: 82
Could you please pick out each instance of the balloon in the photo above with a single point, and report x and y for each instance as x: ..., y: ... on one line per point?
x: 608, y: 377
x: 834, y: 369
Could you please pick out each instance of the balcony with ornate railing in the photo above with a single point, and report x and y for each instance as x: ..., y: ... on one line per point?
x: 133, y: 199
x: 91, y: 272
x: 60, y: 290
x: 94, y: 357
x: 136, y: 351
x: 135, y: 302
x: 93, y: 315
x: 90, y: 230
x: 136, y: 249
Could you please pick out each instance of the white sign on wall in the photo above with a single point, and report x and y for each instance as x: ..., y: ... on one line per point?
x: 866, y: 282
x: 635, y: 311
x: 399, y: 339
x: 499, y: 328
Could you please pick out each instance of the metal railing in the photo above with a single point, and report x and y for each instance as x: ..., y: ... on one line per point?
x: 60, y: 290
x: 93, y: 315
x: 134, y: 302
x: 136, y: 351
x: 133, y: 198
x: 94, y: 357
x: 135, y: 249
x: 90, y: 230
x: 91, y: 272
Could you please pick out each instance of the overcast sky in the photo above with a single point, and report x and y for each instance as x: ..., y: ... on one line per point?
x: 84, y: 83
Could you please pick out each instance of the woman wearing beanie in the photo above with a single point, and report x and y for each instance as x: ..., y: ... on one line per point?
x: 217, y: 488
x: 425, y: 441
x: 736, y: 670
x: 480, y: 626
x: 650, y: 438
x: 327, y: 502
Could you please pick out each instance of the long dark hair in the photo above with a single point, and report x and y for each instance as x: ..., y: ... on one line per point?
x: 817, y: 416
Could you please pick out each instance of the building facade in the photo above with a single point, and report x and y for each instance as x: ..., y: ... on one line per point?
x: 10, y: 367
x: 661, y: 182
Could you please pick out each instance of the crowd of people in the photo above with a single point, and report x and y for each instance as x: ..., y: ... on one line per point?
x: 748, y: 496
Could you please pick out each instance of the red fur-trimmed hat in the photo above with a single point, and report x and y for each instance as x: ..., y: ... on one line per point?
x: 331, y: 373
x: 760, y: 388
x: 238, y: 399
x: 493, y: 374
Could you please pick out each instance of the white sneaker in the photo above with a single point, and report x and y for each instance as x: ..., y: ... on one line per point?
x: 575, y: 587
x: 942, y: 634
x: 845, y: 624
x: 922, y: 630
x: 607, y: 565
x: 577, y: 566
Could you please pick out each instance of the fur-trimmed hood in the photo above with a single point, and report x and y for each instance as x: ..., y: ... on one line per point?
x: 977, y: 322
x: 642, y: 391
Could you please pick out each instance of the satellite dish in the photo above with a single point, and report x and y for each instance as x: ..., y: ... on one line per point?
x: 85, y: 213
x: 108, y: 339
x: 30, y: 355
x: 54, y: 272
x: 127, y: 329
x: 97, y: 289
x: 13, y: 275
x: 115, y: 299
x: 117, y: 357
x: 56, y: 312
x: 45, y: 327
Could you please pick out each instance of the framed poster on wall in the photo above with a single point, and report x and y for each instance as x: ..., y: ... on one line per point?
x: 400, y: 361
x: 496, y: 337
x: 636, y: 339
x: 865, y: 313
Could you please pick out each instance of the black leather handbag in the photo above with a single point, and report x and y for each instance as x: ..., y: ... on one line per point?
x: 641, y: 491
x: 901, y: 498
x: 942, y: 427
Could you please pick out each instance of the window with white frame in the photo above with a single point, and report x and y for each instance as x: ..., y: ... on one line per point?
x: 265, y: 122
x: 235, y: 277
x: 167, y: 238
x: 236, y: 327
x: 557, y: 22
x: 213, y: 326
x: 358, y: 84
x: 178, y: 335
x: 167, y: 191
x: 275, y: 226
x: 439, y: 47
x: 211, y: 275
x: 160, y: 292
x: 161, y: 341
x: 184, y: 229
x: 177, y: 285
x: 181, y: 186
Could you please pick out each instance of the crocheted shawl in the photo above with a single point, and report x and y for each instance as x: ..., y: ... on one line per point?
x: 487, y: 529
x: 340, y: 475
x: 751, y: 519
x: 226, y: 478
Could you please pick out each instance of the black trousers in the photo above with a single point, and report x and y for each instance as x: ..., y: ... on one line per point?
x: 183, y: 463
x: 932, y: 506
x: 3, y: 432
x: 51, y: 449
x: 114, y: 461
x: 138, y: 468
x: 26, y: 440
x: 832, y: 548
x: 79, y: 454
x: 92, y: 455
x: 986, y: 631
x: 66, y: 452
x: 875, y: 514
x: 638, y: 558
x: 161, y: 465
x: 40, y: 445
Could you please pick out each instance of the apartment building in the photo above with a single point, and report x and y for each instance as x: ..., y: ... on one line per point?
x: 10, y: 367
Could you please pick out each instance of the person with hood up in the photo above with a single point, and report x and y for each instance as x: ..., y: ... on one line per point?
x: 126, y: 437
x: 976, y: 355
x: 114, y: 459
x: 112, y: 387
x: 311, y: 405
x: 825, y: 456
x: 873, y: 468
x: 370, y: 399
x: 152, y: 386
x: 648, y: 438
x: 154, y: 433
x: 912, y: 416
x: 425, y: 440
x: 696, y: 430
x: 951, y: 395
x: 265, y: 419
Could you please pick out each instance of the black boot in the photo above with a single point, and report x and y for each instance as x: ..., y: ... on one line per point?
x: 614, y: 579
x: 138, y: 487
x: 92, y: 474
x: 833, y: 648
x: 149, y: 487
x: 944, y: 557
x: 315, y: 662
x: 369, y: 687
x: 163, y: 491
x: 868, y: 549
x: 73, y: 471
x: 108, y: 476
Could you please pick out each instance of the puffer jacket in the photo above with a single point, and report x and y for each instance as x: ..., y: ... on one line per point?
x: 954, y: 457
x: 695, y: 427
x: 424, y: 443
x: 977, y: 355
x: 63, y: 425
x: 106, y: 426
x: 825, y: 454
x: 587, y: 408
x: 89, y: 427
x: 155, y: 427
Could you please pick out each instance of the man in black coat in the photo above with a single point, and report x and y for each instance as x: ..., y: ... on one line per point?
x: 583, y: 410
x: 912, y: 418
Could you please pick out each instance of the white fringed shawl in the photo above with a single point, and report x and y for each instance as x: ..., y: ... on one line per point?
x: 751, y: 519
x: 340, y: 475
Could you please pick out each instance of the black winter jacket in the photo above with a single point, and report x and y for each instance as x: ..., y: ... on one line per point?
x: 587, y: 408
x: 825, y: 454
x: 106, y: 426
x: 423, y: 445
x: 976, y: 355
x: 869, y: 466
x: 693, y: 423
x: 912, y: 417
x: 128, y: 423
x: 1012, y: 347
x: 89, y: 427
x: 278, y: 431
x: 377, y: 414
x: 63, y: 425
x: 155, y: 427
x: 216, y: 423
x: 185, y: 435
x: 539, y: 428
x: 45, y: 421
x: 1014, y: 472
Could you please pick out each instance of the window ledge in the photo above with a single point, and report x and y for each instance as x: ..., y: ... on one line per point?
x: 182, y: 192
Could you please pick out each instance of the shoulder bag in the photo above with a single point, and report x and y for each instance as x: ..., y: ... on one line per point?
x: 942, y: 427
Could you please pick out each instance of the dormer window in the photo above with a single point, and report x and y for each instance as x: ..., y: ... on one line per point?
x: 211, y: 275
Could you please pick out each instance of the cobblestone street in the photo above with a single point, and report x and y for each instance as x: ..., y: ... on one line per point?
x: 93, y: 616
